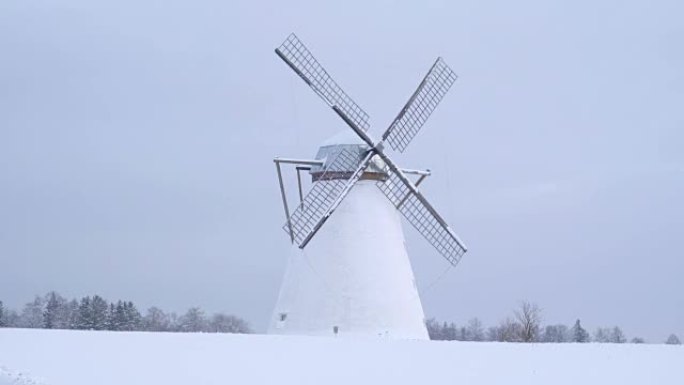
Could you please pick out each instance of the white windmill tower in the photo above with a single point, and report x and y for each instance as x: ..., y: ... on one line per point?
x: 353, y: 275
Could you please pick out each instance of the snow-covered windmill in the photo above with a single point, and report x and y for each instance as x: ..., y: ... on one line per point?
x: 353, y: 275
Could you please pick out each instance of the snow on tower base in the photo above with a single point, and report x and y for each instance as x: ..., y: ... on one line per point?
x: 354, y: 278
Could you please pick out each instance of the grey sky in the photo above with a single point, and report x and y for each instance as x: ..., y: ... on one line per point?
x: 136, y: 146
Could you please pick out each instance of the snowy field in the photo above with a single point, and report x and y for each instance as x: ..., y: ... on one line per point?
x: 67, y: 357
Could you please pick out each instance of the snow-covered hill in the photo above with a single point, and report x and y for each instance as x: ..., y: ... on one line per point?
x: 62, y: 357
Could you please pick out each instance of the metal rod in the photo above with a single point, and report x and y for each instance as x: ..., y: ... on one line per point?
x: 299, y: 184
x: 423, y: 176
x: 310, y: 162
x: 282, y: 194
x: 401, y: 202
x: 416, y: 172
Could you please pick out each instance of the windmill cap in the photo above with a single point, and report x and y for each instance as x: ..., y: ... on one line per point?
x: 353, y: 150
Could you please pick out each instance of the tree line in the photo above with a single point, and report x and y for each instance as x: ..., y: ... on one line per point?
x: 525, y: 325
x: 52, y: 311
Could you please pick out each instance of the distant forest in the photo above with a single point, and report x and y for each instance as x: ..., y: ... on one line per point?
x: 525, y: 325
x: 52, y: 311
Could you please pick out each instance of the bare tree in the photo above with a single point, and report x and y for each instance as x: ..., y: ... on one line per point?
x: 32, y: 314
x: 192, y: 321
x: 617, y: 336
x: 492, y: 333
x: 673, y: 340
x: 221, y: 323
x: 156, y: 320
x: 529, y: 318
x: 603, y: 335
x: 555, y: 333
x: 12, y: 319
x: 474, y: 331
x: 508, y: 331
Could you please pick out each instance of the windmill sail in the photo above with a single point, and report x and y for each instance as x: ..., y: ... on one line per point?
x: 338, y: 178
x: 300, y: 59
x: 420, y: 106
x: 332, y: 185
x: 422, y: 216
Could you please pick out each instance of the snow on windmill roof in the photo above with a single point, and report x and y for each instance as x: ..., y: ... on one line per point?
x: 346, y: 144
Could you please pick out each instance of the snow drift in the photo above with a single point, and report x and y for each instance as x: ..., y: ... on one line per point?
x: 68, y: 357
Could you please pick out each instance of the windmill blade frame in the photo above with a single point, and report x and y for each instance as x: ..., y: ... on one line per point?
x: 422, y: 216
x: 420, y: 105
x: 406, y: 198
x: 295, y: 54
x: 325, y: 196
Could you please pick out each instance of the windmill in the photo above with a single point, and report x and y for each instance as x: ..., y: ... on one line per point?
x: 350, y: 273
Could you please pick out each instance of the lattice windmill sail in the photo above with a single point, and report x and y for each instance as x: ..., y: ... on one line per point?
x: 402, y: 130
x: 340, y: 170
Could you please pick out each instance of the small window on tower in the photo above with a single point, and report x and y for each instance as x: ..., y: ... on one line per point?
x: 283, y: 316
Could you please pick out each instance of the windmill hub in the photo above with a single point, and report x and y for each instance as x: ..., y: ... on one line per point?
x: 355, y: 277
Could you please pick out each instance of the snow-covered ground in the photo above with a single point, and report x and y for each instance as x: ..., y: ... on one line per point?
x: 63, y: 357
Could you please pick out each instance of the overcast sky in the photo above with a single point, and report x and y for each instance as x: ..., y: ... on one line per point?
x: 137, y: 137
